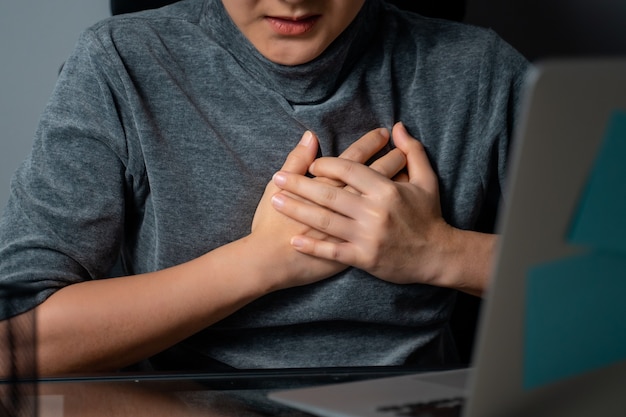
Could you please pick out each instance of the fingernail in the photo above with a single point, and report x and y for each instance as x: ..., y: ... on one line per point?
x: 297, y: 242
x: 384, y: 132
x: 280, y: 179
x: 306, y: 138
x: 278, y: 200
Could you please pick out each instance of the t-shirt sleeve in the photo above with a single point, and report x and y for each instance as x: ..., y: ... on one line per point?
x: 64, y: 219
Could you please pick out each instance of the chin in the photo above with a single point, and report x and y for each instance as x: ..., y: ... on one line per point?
x: 292, y: 55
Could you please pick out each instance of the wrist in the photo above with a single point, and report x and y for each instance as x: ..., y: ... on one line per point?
x: 256, y: 265
x: 467, y: 261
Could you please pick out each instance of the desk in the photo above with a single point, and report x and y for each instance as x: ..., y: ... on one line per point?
x: 234, y: 394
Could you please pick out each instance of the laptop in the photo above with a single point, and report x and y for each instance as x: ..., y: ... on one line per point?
x: 552, y: 333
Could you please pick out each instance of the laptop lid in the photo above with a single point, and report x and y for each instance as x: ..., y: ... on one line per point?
x: 547, y: 335
x: 544, y: 345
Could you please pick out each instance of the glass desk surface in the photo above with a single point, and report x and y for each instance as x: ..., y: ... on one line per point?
x: 231, y: 394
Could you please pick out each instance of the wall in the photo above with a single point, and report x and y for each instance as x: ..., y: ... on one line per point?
x: 548, y: 28
x: 35, y: 38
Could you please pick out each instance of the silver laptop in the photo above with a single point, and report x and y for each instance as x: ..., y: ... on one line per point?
x: 552, y: 336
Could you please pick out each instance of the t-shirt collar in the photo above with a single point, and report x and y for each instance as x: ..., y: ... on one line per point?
x: 311, y: 82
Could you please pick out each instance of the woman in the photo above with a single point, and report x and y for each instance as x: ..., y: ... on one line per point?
x: 157, y: 146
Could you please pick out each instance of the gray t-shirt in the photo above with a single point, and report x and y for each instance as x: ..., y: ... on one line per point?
x: 165, y: 127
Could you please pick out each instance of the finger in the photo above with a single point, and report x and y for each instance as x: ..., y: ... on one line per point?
x: 302, y: 155
x: 402, y: 176
x: 314, y: 216
x: 330, y: 250
x: 363, y: 150
x: 361, y: 178
x: 319, y: 193
x: 390, y: 164
x: 420, y: 171
x: 367, y: 146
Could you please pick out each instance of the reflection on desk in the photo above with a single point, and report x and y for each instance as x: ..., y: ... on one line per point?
x: 113, y: 399
x: 234, y: 394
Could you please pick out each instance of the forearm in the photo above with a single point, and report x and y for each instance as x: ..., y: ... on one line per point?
x: 107, y: 324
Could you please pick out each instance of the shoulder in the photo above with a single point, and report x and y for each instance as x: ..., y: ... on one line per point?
x: 169, y: 22
x: 446, y: 43
x: 135, y: 41
x: 186, y: 11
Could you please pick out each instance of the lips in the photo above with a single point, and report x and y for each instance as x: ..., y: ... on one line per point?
x: 290, y: 26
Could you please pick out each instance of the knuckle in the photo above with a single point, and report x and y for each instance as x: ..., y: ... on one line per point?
x: 335, y: 253
x: 389, y: 192
x: 324, y: 221
x: 329, y: 194
x: 346, y: 170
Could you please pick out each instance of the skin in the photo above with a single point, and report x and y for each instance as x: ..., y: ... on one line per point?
x: 254, y: 19
x: 349, y: 214
x: 103, y: 322
x: 391, y: 229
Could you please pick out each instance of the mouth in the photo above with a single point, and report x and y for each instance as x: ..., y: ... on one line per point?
x: 292, y: 26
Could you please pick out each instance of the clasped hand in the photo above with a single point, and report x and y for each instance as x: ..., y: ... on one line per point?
x: 384, y: 218
x: 390, y: 227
